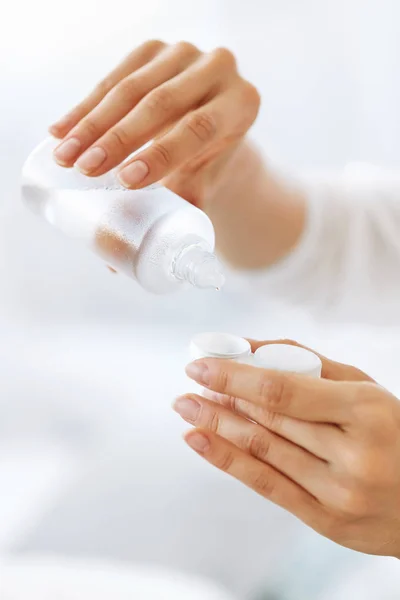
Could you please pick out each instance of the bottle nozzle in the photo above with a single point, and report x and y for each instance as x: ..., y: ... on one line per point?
x: 209, y: 275
x: 199, y: 267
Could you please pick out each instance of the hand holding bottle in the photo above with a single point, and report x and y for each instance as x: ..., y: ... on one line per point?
x: 196, y: 109
x: 194, y: 105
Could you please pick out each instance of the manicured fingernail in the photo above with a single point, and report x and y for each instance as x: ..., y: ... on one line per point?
x: 188, y: 408
x: 91, y: 160
x: 67, y: 151
x: 197, y: 441
x: 199, y: 372
x: 133, y: 174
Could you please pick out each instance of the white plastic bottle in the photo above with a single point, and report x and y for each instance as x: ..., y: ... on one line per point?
x: 152, y: 235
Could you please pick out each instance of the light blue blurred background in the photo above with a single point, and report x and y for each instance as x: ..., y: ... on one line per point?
x: 91, y: 460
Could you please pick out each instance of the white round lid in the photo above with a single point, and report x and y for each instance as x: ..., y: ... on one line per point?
x: 282, y: 357
x: 219, y: 345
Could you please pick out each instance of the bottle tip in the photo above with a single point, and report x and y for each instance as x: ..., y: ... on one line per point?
x: 199, y: 267
x: 209, y: 275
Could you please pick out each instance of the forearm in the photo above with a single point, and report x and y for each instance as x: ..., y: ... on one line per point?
x: 342, y: 230
x: 258, y: 218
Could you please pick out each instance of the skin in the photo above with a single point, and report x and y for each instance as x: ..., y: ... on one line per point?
x: 196, y: 109
x: 327, y: 450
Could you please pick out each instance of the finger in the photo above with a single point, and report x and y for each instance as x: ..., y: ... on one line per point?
x: 330, y: 369
x: 262, y: 478
x: 115, y: 105
x: 165, y: 92
x: 304, y: 398
x: 304, y: 468
x: 136, y: 59
x: 197, y: 133
x: 162, y: 107
x: 324, y: 441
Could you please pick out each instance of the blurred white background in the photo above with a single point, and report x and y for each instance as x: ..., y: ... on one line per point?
x: 91, y: 461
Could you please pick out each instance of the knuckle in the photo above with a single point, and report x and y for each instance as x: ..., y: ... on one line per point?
x: 234, y: 403
x: 162, y: 99
x: 272, y: 421
x: 187, y: 48
x: 362, y: 466
x: 119, y: 138
x: 367, y: 407
x: 89, y: 128
x: 223, y: 384
x: 267, y: 390
x: 147, y: 50
x: 153, y: 45
x: 202, y: 126
x: 225, y: 461
x: 259, y: 446
x: 225, y: 57
x: 366, y: 392
x: 104, y: 86
x: 276, y: 392
x: 371, y: 468
x: 161, y: 154
x: 252, y: 96
x: 214, y: 422
x: 353, y: 503
x: 231, y: 402
x: 127, y: 88
x: 263, y: 484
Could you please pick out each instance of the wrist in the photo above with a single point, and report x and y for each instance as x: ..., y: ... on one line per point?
x: 258, y: 218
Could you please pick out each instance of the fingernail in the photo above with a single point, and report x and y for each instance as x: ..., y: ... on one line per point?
x: 133, y: 174
x: 197, y: 441
x: 67, y: 151
x: 91, y: 160
x: 199, y: 372
x: 188, y: 408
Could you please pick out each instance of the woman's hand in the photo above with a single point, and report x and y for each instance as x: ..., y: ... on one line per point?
x: 327, y: 450
x: 196, y: 109
x: 194, y: 105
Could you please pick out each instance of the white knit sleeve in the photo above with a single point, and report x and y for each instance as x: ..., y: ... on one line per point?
x: 347, y: 264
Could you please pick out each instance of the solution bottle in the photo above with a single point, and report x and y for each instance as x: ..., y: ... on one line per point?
x: 151, y: 235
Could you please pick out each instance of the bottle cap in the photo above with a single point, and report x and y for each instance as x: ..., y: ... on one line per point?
x: 282, y: 357
x: 276, y: 357
x: 219, y: 345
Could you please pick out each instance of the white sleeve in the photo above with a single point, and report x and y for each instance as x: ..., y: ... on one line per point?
x: 347, y: 264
